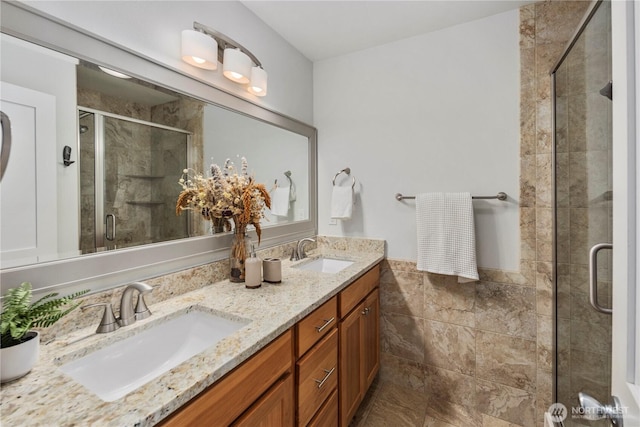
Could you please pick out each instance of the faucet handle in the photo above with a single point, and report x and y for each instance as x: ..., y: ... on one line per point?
x: 141, y: 310
x: 108, y: 322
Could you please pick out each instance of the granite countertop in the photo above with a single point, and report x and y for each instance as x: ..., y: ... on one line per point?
x: 46, y: 396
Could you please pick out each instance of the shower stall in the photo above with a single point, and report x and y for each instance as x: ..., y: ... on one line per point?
x: 129, y: 172
x: 583, y: 216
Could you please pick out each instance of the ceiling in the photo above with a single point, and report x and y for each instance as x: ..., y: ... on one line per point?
x: 322, y: 29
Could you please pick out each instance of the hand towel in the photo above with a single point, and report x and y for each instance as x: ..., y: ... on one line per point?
x: 280, y: 201
x: 446, y: 235
x: 341, y: 202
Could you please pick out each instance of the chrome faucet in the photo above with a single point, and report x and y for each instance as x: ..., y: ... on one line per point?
x: 299, y: 251
x: 127, y: 313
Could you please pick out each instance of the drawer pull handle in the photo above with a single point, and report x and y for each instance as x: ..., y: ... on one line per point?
x: 366, y: 311
x: 326, y: 323
x: 326, y: 377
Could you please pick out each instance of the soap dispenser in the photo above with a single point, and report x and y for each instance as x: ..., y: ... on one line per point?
x: 253, y: 270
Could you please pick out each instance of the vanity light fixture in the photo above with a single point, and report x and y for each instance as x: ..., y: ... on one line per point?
x: 199, y: 50
x: 114, y: 73
x: 203, y: 47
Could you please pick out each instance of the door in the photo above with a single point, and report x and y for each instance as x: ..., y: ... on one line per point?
x: 28, y: 205
x: 351, y: 343
x: 130, y: 170
x: 583, y: 206
x: 371, y: 349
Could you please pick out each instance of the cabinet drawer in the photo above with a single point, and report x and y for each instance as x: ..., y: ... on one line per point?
x: 359, y: 289
x: 317, y: 376
x: 327, y: 416
x: 225, y: 400
x: 316, y: 325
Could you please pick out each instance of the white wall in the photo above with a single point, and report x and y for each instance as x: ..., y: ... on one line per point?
x: 153, y: 28
x: 269, y: 150
x: 437, y: 112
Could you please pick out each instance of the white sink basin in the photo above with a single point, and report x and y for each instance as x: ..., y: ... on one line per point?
x: 326, y: 265
x: 123, y: 366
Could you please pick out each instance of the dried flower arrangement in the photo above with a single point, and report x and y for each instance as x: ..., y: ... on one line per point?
x: 225, y: 195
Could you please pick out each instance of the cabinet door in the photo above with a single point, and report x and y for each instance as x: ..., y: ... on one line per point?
x: 274, y: 409
x: 351, y: 347
x: 371, y: 346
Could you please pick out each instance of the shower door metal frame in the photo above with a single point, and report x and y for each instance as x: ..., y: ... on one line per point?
x: 99, y: 172
x: 593, y: 7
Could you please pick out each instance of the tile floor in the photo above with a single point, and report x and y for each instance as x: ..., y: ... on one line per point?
x: 389, y: 405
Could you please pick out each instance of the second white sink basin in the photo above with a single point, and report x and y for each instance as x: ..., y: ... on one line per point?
x: 326, y: 265
x: 121, y: 367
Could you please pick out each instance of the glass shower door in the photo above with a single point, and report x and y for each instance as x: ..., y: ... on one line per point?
x: 130, y: 171
x: 142, y: 166
x: 583, y: 216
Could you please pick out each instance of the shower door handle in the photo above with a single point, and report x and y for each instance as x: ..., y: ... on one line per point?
x: 110, y: 236
x: 593, y: 277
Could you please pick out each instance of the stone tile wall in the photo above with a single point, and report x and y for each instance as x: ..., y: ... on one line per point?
x: 482, y: 353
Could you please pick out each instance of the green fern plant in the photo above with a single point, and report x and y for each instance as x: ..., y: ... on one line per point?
x: 19, y: 314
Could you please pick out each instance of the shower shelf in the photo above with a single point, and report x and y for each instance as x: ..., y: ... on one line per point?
x: 146, y: 176
x: 132, y: 202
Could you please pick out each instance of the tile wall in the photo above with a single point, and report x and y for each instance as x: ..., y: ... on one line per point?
x: 482, y: 353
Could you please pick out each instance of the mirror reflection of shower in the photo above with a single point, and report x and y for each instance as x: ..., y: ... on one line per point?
x: 129, y: 171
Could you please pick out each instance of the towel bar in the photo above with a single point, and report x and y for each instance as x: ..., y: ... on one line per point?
x: 499, y: 196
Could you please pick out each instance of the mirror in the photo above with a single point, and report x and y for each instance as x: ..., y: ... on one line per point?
x: 114, y: 153
x: 134, y: 139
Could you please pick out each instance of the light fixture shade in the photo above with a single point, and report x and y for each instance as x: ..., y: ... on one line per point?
x: 199, y: 50
x: 258, y: 84
x: 236, y: 65
x: 114, y: 73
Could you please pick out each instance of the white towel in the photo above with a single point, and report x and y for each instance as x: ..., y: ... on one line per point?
x: 280, y: 201
x: 446, y: 235
x: 341, y: 202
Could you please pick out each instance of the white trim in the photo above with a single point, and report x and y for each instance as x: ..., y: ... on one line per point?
x: 624, y: 380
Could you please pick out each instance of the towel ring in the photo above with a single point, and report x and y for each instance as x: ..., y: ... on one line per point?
x: 288, y: 175
x: 346, y: 171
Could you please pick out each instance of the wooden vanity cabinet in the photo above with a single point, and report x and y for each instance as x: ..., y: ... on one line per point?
x: 359, y: 331
x: 315, y: 374
x: 263, y: 385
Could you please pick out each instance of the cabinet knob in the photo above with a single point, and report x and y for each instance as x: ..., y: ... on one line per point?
x: 366, y: 311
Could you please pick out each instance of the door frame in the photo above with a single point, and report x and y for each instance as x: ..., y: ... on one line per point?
x: 625, y: 372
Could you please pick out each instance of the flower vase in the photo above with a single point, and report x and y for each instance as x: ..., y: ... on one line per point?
x: 238, y: 255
